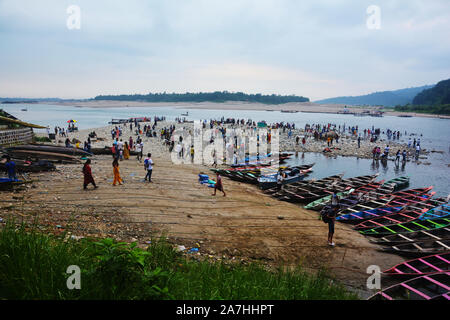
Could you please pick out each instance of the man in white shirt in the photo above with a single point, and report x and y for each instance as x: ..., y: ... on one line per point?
x: 148, y: 164
x: 139, y: 150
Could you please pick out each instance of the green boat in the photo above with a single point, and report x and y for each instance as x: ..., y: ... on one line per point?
x: 407, y: 227
x: 320, y: 203
x: 399, y: 182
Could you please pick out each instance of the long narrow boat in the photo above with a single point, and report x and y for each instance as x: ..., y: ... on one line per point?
x: 41, y: 155
x: 418, y: 192
x: 363, y: 194
x: 320, y: 203
x: 312, y: 193
x: 438, y: 212
x: 409, y: 197
x: 419, y: 248
x: 48, y: 148
x: 399, y: 183
x: 358, y: 217
x: 422, y: 266
x: 430, y: 287
x: 402, y: 216
x: 268, y: 182
x: 408, y: 214
x: 307, y: 184
x: 407, y: 227
x: 422, y: 235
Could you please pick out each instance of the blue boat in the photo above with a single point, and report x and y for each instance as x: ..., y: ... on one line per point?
x: 441, y: 211
x: 360, y: 216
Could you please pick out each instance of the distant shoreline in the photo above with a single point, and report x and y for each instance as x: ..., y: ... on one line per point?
x: 307, y: 107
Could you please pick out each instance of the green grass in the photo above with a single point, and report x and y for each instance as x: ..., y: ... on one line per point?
x: 33, y: 266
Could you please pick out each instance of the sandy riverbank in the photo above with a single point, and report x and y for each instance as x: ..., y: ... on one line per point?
x: 299, y: 107
x: 246, y: 225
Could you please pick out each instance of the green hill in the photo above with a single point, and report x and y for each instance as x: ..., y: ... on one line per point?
x: 383, y: 98
x: 438, y: 95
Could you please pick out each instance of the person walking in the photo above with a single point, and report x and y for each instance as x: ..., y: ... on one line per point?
x: 359, y: 142
x: 218, y: 185
x: 148, y: 165
x: 139, y: 150
x: 117, y: 178
x: 126, y: 151
x: 87, y: 172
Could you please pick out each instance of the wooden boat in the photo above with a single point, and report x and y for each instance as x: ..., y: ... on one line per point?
x: 422, y: 235
x: 394, y: 200
x: 47, y: 148
x: 432, y: 264
x: 439, y: 212
x: 320, y: 203
x: 403, y: 228
x: 40, y: 155
x: 399, y: 183
x: 308, y: 193
x: 419, y: 248
x: 286, y: 193
x: 419, y: 192
x: 429, y: 287
x: 119, y: 121
x: 24, y: 166
x: 294, y: 175
x: 358, y: 217
x: 401, y: 216
x: 363, y: 194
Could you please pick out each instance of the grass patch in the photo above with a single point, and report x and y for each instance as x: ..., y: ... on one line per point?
x: 33, y: 266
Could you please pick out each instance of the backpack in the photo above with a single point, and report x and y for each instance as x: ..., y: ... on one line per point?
x: 324, y: 216
x: 146, y: 164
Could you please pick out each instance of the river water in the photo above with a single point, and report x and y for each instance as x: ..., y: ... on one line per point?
x: 434, y: 134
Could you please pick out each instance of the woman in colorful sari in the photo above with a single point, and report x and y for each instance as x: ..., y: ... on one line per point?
x: 87, y: 172
x: 126, y: 151
x: 117, y: 178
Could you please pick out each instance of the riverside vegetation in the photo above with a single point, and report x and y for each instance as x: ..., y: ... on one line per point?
x: 33, y: 266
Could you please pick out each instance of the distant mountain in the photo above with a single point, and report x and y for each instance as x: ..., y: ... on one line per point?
x: 384, y: 98
x: 438, y: 95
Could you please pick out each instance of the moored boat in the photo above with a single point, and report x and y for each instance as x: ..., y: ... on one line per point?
x: 421, y: 235
x: 438, y: 212
x: 419, y: 248
x: 407, y: 227
x: 429, y: 287
x: 421, y: 266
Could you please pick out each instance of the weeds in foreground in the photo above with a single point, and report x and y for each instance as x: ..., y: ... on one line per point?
x: 33, y: 266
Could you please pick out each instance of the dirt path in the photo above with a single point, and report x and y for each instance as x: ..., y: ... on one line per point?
x: 245, y: 225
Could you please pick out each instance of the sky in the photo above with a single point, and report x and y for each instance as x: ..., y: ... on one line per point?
x: 317, y: 49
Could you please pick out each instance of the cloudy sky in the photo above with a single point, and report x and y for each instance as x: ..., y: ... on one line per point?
x: 317, y: 48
